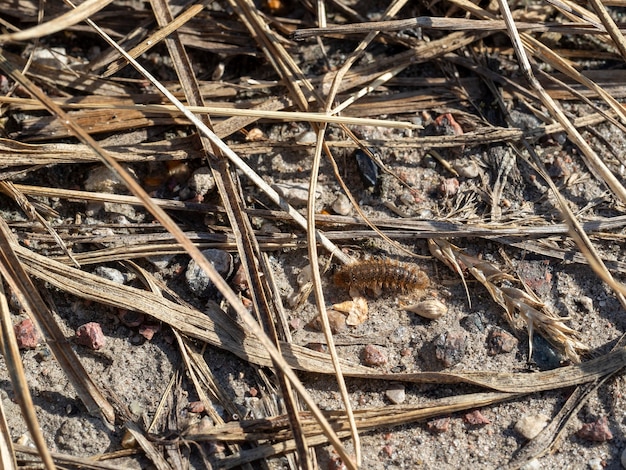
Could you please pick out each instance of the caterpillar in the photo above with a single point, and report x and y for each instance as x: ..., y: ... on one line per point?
x: 381, y: 276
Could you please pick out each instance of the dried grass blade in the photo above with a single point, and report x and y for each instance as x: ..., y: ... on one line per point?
x: 7, y: 451
x: 431, y: 22
x: 11, y: 354
x: 611, y: 27
x: 20, y: 199
x: 154, y: 39
x: 243, y: 233
x: 23, y: 287
x: 151, y: 452
x: 72, y: 17
x: 71, y: 461
x: 167, y: 222
x: 219, y: 330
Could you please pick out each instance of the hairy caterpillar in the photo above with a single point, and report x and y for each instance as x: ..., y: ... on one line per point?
x: 381, y: 276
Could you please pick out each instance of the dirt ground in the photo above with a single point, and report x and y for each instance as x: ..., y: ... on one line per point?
x: 454, y: 186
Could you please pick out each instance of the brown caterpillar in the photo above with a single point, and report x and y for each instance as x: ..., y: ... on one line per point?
x: 381, y: 276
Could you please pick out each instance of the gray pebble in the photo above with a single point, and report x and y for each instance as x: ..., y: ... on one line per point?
x: 531, y: 425
x: 307, y: 137
x: 474, y: 322
x: 545, y: 355
x: 161, y: 261
x: 450, y: 347
x: 623, y: 458
x: 111, y: 274
x: 342, y: 205
x: 102, y: 180
x: 202, y: 181
x: 396, y: 394
x: 198, y: 281
x: 466, y: 168
x: 297, y: 194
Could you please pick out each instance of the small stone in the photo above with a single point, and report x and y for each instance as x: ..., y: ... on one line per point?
x: 545, y: 355
x: 255, y: 135
x: 196, y: 407
x: 90, y: 335
x: 623, y: 458
x: 598, y: 431
x: 319, y: 347
x: 531, y: 425
x: 160, y: 261
x: 307, y: 137
x: 447, y: 125
x: 26, y: 334
x: 466, y: 168
x: 253, y: 391
x: 474, y: 323
x: 111, y: 274
x: 148, y: 331
x: 438, y: 426
x: 102, y: 180
x: 595, y: 463
x: 198, y: 281
x: 305, y: 275
x: 450, y: 347
x: 533, y: 464
x: 296, y: 194
x: 336, y: 319
x: 51, y: 56
x: 342, y: 205
x: 373, y: 356
x: 202, y: 181
x: 476, y: 418
x: 396, y: 394
x: 500, y: 341
x: 131, y: 318
x: 449, y: 187
x: 128, y: 441
x: 357, y: 310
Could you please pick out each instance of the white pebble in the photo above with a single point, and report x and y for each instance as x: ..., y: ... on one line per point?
x: 307, y: 137
x: 531, y: 465
x: 531, y: 425
x: 595, y: 463
x: 51, y: 56
x: 396, y: 394
x: 342, y: 205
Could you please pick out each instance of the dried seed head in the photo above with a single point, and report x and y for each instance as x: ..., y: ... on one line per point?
x: 431, y: 309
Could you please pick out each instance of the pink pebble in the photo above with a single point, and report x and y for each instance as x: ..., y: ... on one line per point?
x: 148, y: 330
x: 90, y: 335
x: 26, y: 334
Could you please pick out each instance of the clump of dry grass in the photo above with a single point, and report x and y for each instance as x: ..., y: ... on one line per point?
x: 518, y: 304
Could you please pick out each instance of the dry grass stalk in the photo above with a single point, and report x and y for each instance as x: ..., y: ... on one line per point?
x: 516, y: 302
